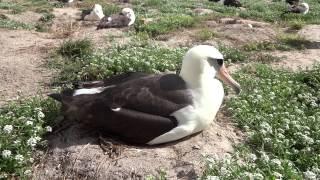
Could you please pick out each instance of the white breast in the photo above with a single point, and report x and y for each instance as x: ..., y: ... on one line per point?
x: 195, y: 117
x: 207, y: 102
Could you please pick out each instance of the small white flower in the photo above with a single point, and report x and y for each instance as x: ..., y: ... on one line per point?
x: 16, y: 142
x: 267, y: 140
x: 19, y: 158
x: 277, y: 175
x: 310, y: 175
x: 8, y: 129
x: 41, y: 115
x: 32, y: 142
x: 265, y: 157
x: 276, y: 162
x: 212, y: 178
x: 281, y: 136
x: 258, y: 176
x: 224, y: 171
x: 29, y: 123
x: 6, y: 153
x: 27, y: 172
x: 38, y: 109
x: 252, y: 157
x: 31, y: 160
x: 247, y: 174
x: 264, y: 125
x: 49, y: 129
x: 38, y: 138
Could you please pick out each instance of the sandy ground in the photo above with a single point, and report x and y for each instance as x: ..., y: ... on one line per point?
x: 22, y: 55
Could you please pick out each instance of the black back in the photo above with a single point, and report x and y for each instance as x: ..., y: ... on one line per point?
x: 117, y: 21
x: 137, y: 109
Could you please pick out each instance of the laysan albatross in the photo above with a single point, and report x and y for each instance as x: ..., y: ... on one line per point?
x: 153, y: 108
x: 123, y: 19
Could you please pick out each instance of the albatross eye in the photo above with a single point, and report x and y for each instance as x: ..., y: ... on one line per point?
x: 220, y: 62
x: 214, y: 61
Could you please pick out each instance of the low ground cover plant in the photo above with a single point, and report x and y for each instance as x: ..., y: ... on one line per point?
x: 279, y: 110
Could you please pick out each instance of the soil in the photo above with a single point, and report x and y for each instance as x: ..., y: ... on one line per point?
x: 22, y: 57
x: 74, y: 153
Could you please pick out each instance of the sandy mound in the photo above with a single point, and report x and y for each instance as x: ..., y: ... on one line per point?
x: 75, y: 154
x: 27, y: 17
x: 228, y: 31
x: 311, y: 32
x: 297, y: 59
x: 22, y: 54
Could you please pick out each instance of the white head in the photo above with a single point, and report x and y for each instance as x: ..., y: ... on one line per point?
x: 202, y: 63
x: 130, y: 14
x: 98, y: 10
x: 306, y: 7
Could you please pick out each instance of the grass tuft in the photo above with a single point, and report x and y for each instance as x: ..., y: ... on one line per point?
x: 10, y: 24
x: 205, y: 34
x: 233, y: 54
x: 76, y: 48
x: 165, y: 24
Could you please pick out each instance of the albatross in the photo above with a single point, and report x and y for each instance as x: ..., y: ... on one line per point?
x: 235, y: 3
x: 302, y: 8
x: 151, y: 109
x: 123, y: 19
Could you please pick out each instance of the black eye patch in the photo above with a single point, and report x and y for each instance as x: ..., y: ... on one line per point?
x: 219, y: 61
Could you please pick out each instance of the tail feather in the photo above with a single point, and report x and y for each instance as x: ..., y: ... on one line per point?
x: 62, y: 96
x: 56, y: 96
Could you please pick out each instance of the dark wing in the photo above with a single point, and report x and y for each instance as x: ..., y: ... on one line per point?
x: 117, y: 79
x: 235, y: 3
x: 292, y: 2
x: 296, y: 9
x: 137, y: 110
x: 119, y: 20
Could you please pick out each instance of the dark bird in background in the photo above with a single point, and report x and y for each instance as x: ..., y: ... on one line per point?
x: 124, y: 19
x: 293, y: 2
x: 235, y: 3
x: 302, y: 8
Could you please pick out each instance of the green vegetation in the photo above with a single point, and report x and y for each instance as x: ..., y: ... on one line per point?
x: 280, y: 112
x: 118, y: 59
x: 296, y: 25
x: 10, y: 24
x: 284, y: 42
x: 205, y: 34
x: 22, y: 125
x: 30, y: 5
x: 233, y: 54
x: 76, y: 48
x: 165, y: 24
x: 278, y: 109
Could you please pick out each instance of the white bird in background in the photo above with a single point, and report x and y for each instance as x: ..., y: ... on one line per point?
x: 302, y: 8
x: 124, y: 19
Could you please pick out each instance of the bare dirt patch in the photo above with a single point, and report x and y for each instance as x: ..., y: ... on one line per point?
x: 22, y: 55
x: 231, y: 32
x: 75, y: 154
x: 311, y: 32
x: 68, y: 24
x: 27, y: 17
x: 296, y: 60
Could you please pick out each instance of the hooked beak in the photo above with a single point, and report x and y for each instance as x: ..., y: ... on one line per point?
x: 226, y: 78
